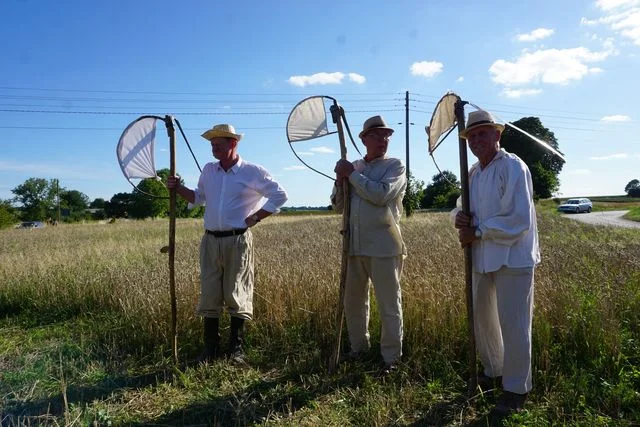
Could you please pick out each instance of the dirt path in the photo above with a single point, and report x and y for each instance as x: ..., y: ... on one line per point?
x: 611, y: 218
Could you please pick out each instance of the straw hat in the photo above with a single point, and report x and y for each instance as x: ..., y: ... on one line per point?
x: 375, y: 122
x: 480, y: 118
x: 222, y: 131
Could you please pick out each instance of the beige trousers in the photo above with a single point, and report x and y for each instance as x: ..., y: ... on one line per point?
x: 385, y: 274
x: 503, y: 310
x: 226, y: 275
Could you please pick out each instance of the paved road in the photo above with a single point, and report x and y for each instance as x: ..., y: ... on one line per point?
x: 612, y: 218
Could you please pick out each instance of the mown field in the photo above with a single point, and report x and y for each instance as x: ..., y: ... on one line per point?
x: 85, y: 313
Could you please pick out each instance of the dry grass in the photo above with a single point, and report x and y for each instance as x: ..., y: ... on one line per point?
x: 55, y: 280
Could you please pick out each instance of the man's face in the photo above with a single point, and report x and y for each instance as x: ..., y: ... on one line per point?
x: 484, y: 142
x: 223, y: 148
x: 376, y: 141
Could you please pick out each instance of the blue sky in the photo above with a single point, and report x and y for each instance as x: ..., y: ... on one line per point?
x: 75, y: 73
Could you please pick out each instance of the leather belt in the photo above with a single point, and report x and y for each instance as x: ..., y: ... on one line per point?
x: 227, y: 233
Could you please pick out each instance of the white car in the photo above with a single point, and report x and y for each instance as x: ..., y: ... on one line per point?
x: 576, y: 206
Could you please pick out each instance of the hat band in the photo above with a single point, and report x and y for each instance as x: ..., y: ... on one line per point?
x: 482, y: 122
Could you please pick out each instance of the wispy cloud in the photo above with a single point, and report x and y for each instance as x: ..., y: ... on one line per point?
x: 295, y: 168
x: 550, y: 66
x: 325, y: 79
x: 616, y: 118
x: 611, y: 156
x: 519, y: 93
x: 426, y: 68
x: 621, y: 16
x: 460, y: 79
x: 537, y: 34
x: 614, y: 4
x: 322, y: 150
x: 304, y: 153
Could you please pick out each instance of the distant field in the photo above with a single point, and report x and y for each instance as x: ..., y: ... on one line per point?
x: 85, y: 319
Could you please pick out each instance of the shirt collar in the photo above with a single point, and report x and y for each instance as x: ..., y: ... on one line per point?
x: 235, y: 168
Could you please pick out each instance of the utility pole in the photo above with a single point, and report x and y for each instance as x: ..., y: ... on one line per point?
x: 406, y: 128
x: 58, y: 197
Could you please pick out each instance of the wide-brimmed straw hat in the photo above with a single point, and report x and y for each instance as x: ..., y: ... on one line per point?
x: 375, y: 122
x: 222, y: 131
x: 480, y: 118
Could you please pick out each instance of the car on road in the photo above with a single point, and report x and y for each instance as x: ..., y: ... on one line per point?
x: 31, y: 224
x: 576, y: 206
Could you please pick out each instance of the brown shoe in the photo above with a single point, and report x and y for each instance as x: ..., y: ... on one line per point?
x: 509, y: 403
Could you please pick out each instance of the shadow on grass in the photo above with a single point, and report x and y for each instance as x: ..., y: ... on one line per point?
x: 56, y: 406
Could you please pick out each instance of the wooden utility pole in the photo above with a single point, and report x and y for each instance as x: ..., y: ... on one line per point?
x: 406, y: 128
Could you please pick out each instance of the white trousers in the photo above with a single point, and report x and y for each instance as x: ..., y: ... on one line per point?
x: 503, y: 310
x: 385, y: 274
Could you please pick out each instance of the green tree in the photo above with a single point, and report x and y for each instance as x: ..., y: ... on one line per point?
x: 412, y: 195
x: 544, y: 165
x: 442, y: 192
x: 75, y: 202
x: 8, y: 214
x: 154, y: 203
x: 97, y: 203
x: 36, y: 197
x: 119, y: 205
x: 633, y: 188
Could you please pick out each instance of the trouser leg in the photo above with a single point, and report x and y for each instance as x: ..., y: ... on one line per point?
x: 385, y: 276
x: 487, y: 325
x: 515, y: 307
x: 356, y: 304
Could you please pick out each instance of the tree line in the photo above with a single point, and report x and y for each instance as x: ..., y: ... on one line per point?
x: 39, y: 199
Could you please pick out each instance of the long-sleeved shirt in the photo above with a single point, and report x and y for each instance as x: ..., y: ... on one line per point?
x: 501, y: 203
x: 376, y: 190
x: 231, y: 196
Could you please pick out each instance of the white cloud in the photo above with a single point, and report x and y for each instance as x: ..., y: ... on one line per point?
x: 304, y: 153
x: 357, y: 78
x: 323, y: 78
x: 611, y: 157
x: 537, y: 34
x: 518, y: 93
x: 616, y: 118
x: 317, y: 79
x: 322, y: 150
x: 426, y: 68
x: 460, y: 79
x: 621, y: 16
x: 552, y: 66
x: 295, y: 168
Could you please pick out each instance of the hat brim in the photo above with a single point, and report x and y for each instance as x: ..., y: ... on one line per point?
x: 364, y: 132
x: 465, y: 132
x: 210, y: 134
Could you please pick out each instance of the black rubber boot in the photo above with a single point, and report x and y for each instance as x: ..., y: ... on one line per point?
x: 211, y: 340
x: 236, y: 353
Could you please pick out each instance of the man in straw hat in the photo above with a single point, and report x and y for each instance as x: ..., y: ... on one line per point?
x: 504, y: 237
x: 238, y: 195
x: 376, y: 252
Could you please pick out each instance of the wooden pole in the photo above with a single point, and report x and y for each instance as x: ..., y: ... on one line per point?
x: 168, y: 120
x: 464, y: 180
x: 336, y: 113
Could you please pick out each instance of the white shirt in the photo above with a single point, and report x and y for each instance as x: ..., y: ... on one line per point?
x: 231, y: 196
x: 501, y: 202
